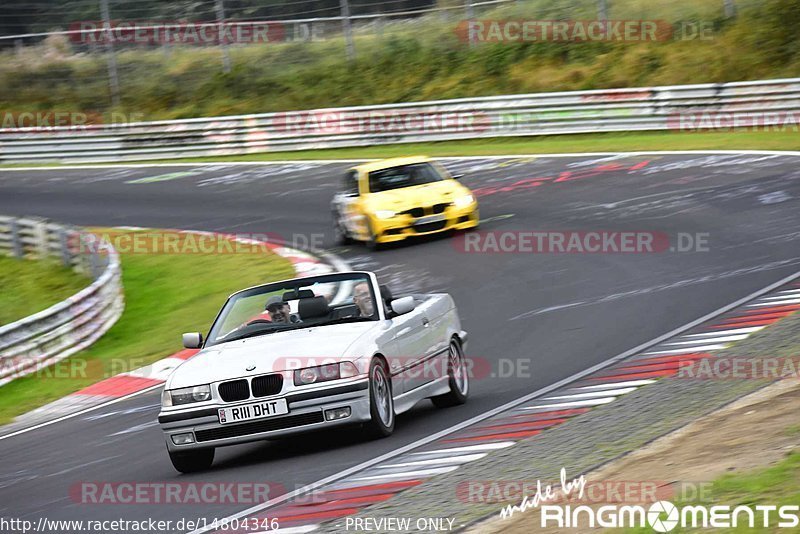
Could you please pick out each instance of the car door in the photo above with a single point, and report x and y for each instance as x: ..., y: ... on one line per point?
x: 420, y: 347
x: 408, y: 345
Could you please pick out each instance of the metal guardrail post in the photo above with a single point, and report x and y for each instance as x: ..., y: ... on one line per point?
x: 63, y: 240
x: 41, y: 238
x: 347, y: 30
x: 16, y: 241
x: 94, y: 264
x: 113, y: 75
x: 226, y: 58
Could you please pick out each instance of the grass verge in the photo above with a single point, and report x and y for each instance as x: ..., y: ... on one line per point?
x: 165, y: 294
x: 30, y: 286
x: 605, y: 142
x: 777, y: 485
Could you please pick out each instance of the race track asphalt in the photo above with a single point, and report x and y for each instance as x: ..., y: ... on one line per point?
x: 540, y: 317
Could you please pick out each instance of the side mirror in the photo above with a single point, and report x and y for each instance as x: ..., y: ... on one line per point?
x: 403, y: 305
x: 193, y: 340
x: 457, y: 176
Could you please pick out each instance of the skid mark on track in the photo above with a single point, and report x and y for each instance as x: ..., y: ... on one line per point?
x: 737, y: 197
x: 727, y: 163
x: 555, y: 177
x: 658, y: 288
x: 400, y: 277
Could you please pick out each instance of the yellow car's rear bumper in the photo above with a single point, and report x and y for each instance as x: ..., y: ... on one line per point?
x: 404, y: 226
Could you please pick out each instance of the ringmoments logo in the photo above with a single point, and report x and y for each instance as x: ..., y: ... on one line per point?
x: 661, y: 516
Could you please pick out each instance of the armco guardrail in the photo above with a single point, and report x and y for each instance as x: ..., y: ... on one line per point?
x: 648, y: 108
x: 49, y: 336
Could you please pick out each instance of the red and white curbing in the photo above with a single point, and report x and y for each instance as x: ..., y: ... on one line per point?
x: 155, y: 374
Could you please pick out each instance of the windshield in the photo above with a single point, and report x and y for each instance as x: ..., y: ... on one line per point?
x: 299, y: 303
x: 403, y: 176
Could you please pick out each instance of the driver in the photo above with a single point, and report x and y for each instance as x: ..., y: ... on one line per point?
x: 362, y: 298
x: 280, y: 312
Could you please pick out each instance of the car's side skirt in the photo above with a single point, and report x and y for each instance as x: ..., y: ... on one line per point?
x: 406, y: 401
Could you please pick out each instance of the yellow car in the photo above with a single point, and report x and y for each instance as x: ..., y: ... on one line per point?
x: 392, y: 199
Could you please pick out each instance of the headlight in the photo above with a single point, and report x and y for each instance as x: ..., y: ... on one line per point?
x: 462, y: 202
x: 176, y: 397
x: 385, y: 214
x: 323, y: 373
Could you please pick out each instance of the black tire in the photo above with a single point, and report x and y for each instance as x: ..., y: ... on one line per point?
x: 340, y: 235
x: 192, y: 461
x: 382, y: 414
x: 459, y: 387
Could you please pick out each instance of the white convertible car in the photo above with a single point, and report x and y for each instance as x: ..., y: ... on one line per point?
x: 309, y: 354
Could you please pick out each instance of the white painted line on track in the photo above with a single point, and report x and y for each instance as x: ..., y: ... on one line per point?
x: 613, y: 385
x: 409, y: 474
x: 749, y: 330
x: 775, y: 303
x: 592, y: 394
x: 573, y: 404
x: 469, y: 448
x: 336, y: 477
x: 720, y: 339
x: 437, y: 461
x: 687, y: 350
x: 782, y: 295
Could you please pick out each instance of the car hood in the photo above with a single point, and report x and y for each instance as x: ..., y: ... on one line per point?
x: 293, y: 349
x: 418, y: 195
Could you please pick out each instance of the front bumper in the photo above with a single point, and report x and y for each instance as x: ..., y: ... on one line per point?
x: 403, y: 226
x: 306, y: 413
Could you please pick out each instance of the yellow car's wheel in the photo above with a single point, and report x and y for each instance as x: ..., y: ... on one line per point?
x: 371, y: 242
x: 340, y: 235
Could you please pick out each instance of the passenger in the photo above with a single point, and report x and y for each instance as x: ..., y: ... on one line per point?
x: 362, y: 298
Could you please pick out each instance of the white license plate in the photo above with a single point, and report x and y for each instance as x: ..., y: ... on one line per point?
x: 430, y: 219
x: 255, y: 410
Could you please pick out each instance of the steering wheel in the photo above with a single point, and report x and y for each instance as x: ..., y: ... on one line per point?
x: 259, y: 321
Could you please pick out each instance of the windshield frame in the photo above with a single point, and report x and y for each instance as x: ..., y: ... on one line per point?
x: 298, y: 282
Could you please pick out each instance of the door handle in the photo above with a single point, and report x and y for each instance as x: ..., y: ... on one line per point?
x: 425, y: 322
